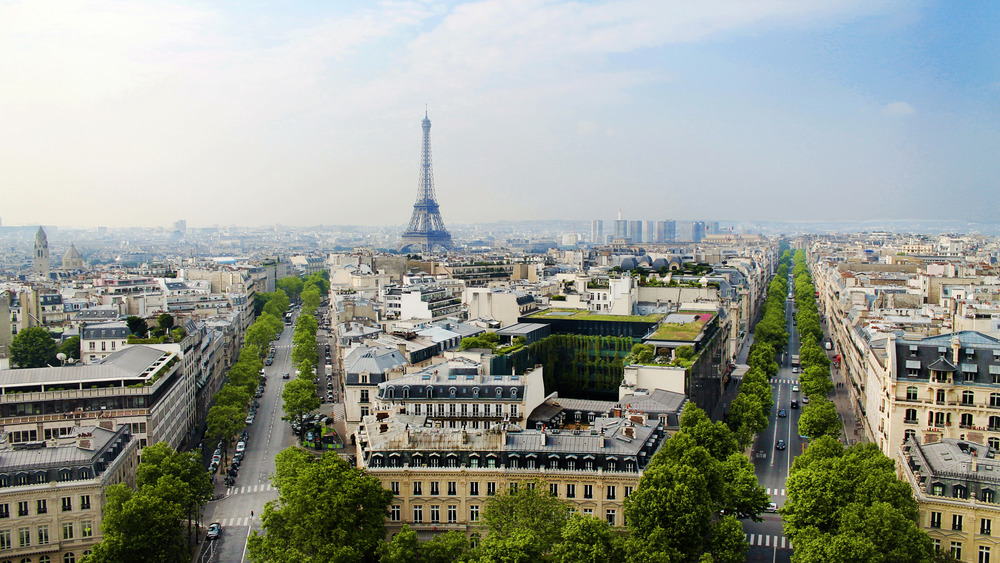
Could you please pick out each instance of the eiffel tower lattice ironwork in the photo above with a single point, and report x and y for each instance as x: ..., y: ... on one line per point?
x: 426, y: 229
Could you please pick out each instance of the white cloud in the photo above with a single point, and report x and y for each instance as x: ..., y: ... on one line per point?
x: 898, y: 109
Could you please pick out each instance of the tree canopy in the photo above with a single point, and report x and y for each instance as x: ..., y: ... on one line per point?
x: 326, y: 511
x: 846, y: 504
x: 33, y: 347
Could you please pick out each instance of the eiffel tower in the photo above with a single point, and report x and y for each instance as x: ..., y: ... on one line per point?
x: 426, y: 230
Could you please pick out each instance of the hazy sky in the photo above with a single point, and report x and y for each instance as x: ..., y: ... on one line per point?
x: 141, y: 113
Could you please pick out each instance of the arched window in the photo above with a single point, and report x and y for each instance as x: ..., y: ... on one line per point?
x: 390, y: 392
x: 499, y: 392
x: 69, y: 558
x: 475, y: 392
x: 908, y: 434
x: 406, y: 392
x: 452, y: 392
x: 911, y: 393
x: 430, y: 392
x: 513, y: 393
x: 911, y: 416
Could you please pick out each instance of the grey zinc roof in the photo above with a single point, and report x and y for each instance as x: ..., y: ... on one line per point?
x: 58, y: 456
x: 371, y: 359
x: 115, y: 329
x: 126, y: 364
x: 659, y: 401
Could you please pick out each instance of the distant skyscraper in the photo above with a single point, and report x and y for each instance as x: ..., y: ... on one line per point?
x: 180, y: 226
x: 597, y: 231
x: 426, y: 229
x: 635, y: 231
x: 40, y: 264
x: 621, y: 228
x: 649, y: 232
x: 712, y: 228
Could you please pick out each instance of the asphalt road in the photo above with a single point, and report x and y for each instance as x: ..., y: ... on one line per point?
x: 268, y: 436
x: 767, y: 540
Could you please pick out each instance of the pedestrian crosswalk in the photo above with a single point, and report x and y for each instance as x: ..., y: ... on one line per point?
x: 776, y: 492
x: 248, y: 489
x: 244, y: 521
x: 784, y: 381
x: 767, y: 540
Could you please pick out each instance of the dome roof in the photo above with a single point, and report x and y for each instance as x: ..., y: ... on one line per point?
x: 660, y: 263
x: 72, y: 253
x: 629, y: 263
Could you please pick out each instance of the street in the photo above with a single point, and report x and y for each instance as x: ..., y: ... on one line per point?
x: 268, y: 436
x: 767, y: 540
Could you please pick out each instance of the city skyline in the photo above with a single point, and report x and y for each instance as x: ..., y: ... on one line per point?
x: 121, y: 114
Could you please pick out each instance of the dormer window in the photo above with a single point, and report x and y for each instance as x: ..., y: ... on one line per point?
x: 475, y: 392
x: 430, y: 391
x: 513, y: 393
x: 406, y: 391
x: 390, y: 392
x: 499, y: 392
x: 452, y: 392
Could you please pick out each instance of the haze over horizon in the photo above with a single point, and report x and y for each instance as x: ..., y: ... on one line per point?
x: 122, y: 114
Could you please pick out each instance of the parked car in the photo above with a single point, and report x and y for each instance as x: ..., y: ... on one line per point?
x: 780, y: 445
x: 249, y: 419
x: 286, y: 376
x: 241, y: 446
x: 771, y: 507
x: 214, y: 530
x: 805, y: 400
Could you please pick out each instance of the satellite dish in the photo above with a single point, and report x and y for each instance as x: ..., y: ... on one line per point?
x: 61, y: 357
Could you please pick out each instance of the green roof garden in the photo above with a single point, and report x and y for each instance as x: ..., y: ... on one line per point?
x: 583, y: 315
x: 682, y: 331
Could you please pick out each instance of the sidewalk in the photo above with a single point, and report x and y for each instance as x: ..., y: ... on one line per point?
x: 852, y: 431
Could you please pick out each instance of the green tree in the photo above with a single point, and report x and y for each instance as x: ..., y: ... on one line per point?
x: 33, y: 347
x: 523, y: 523
x: 728, y: 544
x: 311, y: 297
x: 445, y: 548
x: 224, y: 421
x: 299, y: 398
x: 819, y: 418
x: 165, y: 321
x: 850, y: 499
x: 192, y: 488
x: 403, y: 548
x: 137, y: 325
x: 139, y: 527
x: 746, y: 418
x: 292, y: 286
x: 326, y: 511
x: 586, y: 539
x: 71, y: 347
